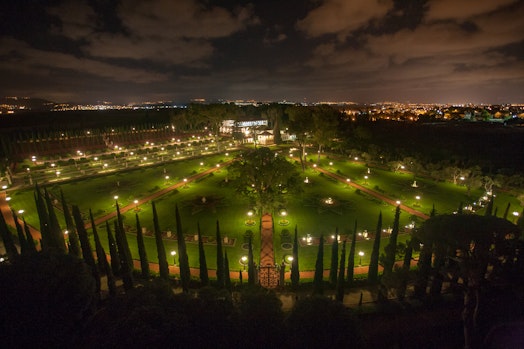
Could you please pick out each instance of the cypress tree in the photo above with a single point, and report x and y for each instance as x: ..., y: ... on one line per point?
x: 113, y: 251
x: 351, y: 256
x: 334, y: 261
x: 373, y: 262
x: 437, y: 279
x: 391, y: 248
x: 21, y: 236
x: 250, y: 264
x: 506, y: 211
x: 74, y: 247
x: 43, y: 218
x: 433, y: 211
x: 144, y: 262
x: 220, y: 258
x: 57, y: 237
x: 161, y: 251
x: 87, y: 252
x: 424, y: 269
x: 295, y: 274
x: 408, y: 252
x: 318, y: 280
x: 227, y: 276
x: 520, y: 221
x: 7, y: 238
x: 185, y: 275
x: 103, y: 266
x: 460, y: 208
x: 341, y: 274
x: 204, y: 276
x: 121, y: 238
x: 489, y: 206
x: 29, y: 238
x: 125, y: 271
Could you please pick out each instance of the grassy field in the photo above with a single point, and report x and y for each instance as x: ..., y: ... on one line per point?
x: 323, y: 206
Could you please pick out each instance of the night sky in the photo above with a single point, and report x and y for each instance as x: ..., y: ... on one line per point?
x: 434, y: 51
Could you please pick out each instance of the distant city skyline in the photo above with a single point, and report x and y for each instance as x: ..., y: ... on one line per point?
x: 432, y: 51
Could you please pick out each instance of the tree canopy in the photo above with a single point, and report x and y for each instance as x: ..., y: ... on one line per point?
x: 264, y: 177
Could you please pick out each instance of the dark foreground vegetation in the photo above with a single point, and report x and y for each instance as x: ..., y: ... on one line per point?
x: 467, y: 288
x: 53, y: 303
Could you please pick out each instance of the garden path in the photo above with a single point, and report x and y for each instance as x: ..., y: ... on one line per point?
x: 268, y: 275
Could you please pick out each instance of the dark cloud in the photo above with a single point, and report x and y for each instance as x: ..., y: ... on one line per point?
x: 342, y: 17
x: 464, y: 9
x: 360, y: 50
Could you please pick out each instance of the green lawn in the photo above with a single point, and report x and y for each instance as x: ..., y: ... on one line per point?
x: 323, y: 206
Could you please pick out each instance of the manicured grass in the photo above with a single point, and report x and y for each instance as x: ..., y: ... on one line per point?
x: 399, y: 186
x: 308, y: 210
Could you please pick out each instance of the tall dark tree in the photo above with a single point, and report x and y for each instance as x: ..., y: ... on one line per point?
x: 295, y: 274
x: 29, y: 238
x: 227, y: 276
x: 391, y: 248
x: 351, y: 256
x: 250, y: 264
x: 220, y: 259
x: 125, y: 271
x: 74, y: 246
x: 160, y: 249
x: 87, y: 251
x: 43, y: 219
x: 520, y: 221
x: 506, y: 211
x: 204, y: 276
x: 481, y: 250
x: 185, y: 275
x: 404, y: 271
x: 373, y: 262
x: 103, y: 265
x: 144, y: 262
x: 300, y: 124
x: 274, y: 115
x: 312, y: 323
x: 121, y: 238
x: 7, y: 238
x: 433, y: 212
x: 334, y: 261
x: 318, y: 279
x: 424, y: 263
x: 113, y: 251
x: 21, y: 237
x: 57, y: 237
x: 489, y: 206
x: 47, y: 298
x: 325, y: 125
x: 341, y: 273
